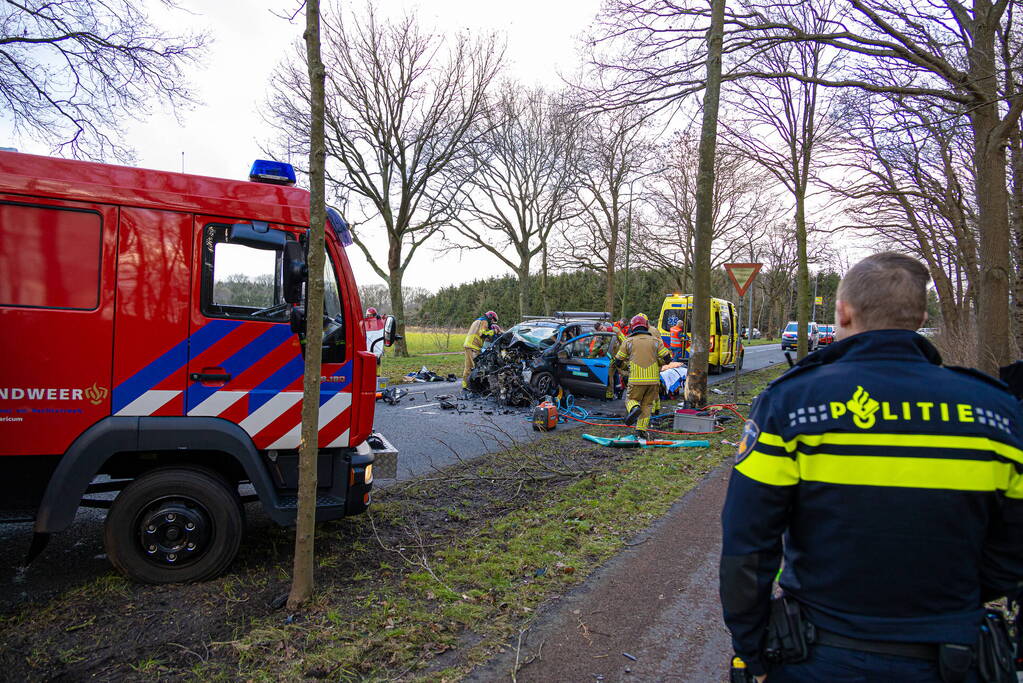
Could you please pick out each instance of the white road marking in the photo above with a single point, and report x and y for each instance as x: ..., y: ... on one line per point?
x: 425, y: 405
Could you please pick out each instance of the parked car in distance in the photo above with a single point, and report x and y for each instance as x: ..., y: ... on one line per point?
x: 827, y: 334
x: 789, y: 339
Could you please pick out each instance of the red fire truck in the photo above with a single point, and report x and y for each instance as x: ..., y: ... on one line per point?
x: 152, y: 345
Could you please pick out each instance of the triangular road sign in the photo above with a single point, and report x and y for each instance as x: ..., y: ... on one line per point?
x: 742, y: 275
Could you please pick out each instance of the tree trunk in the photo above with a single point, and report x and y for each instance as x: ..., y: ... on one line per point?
x: 523, y: 274
x: 543, y: 282
x: 992, y: 198
x: 696, y: 380
x: 394, y: 279
x: 305, y: 519
x: 802, y: 274
x: 609, y: 274
x: 1016, y: 222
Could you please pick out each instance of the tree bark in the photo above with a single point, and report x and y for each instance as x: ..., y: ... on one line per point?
x: 305, y: 520
x: 802, y: 274
x: 1016, y: 223
x: 394, y: 281
x: 543, y: 282
x: 992, y: 196
x: 696, y: 380
x: 523, y: 274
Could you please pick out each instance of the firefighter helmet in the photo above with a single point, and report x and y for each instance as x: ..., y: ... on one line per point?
x: 639, y: 320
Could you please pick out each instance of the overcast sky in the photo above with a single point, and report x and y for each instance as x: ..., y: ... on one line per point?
x: 222, y: 136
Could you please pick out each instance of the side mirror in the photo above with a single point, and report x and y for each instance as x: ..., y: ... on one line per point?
x: 257, y: 235
x: 297, y: 320
x: 294, y: 272
x: 390, y: 330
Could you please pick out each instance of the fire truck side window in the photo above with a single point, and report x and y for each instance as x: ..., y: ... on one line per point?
x: 240, y: 281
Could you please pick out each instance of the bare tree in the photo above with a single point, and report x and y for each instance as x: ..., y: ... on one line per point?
x: 743, y: 209
x: 614, y: 152
x: 911, y: 184
x: 309, y: 449
x: 783, y: 123
x: 945, y: 51
x: 73, y: 71
x: 517, y: 179
x: 402, y: 104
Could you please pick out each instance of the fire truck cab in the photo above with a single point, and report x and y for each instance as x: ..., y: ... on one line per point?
x: 152, y: 347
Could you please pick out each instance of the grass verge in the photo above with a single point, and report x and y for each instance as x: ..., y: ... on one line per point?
x: 443, y: 572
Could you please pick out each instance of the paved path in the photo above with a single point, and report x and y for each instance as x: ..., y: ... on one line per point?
x: 657, y: 601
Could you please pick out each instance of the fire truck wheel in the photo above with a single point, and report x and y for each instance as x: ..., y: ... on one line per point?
x: 174, y: 525
x: 544, y: 383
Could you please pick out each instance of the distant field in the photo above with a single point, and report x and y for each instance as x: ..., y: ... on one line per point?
x: 432, y: 341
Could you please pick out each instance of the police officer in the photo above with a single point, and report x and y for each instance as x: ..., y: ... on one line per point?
x: 645, y: 355
x: 896, y: 484
x: 482, y: 327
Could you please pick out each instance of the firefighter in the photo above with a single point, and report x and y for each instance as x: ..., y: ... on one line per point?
x: 646, y: 354
x: 677, y: 349
x: 897, y: 485
x: 482, y: 327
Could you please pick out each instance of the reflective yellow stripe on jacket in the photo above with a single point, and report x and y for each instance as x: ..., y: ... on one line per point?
x: 478, y: 330
x: 649, y: 349
x: 949, y: 473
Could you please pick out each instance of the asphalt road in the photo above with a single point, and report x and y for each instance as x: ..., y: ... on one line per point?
x: 426, y: 436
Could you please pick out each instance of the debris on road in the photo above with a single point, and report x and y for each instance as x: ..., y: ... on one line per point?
x: 427, y: 375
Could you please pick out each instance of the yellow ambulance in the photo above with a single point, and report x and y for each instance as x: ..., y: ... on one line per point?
x: 725, y: 343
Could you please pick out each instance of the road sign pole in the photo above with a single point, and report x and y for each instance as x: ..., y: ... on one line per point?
x: 735, y: 380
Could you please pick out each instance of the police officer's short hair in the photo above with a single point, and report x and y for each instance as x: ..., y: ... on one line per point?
x: 887, y: 290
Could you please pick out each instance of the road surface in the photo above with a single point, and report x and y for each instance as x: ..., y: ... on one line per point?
x: 428, y: 436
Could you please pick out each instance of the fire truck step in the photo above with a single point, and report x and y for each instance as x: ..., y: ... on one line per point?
x: 291, y: 502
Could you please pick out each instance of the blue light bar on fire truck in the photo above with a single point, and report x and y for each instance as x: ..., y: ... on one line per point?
x: 273, y: 172
x: 339, y: 225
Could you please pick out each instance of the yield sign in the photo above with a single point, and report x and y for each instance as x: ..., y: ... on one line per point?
x: 742, y: 275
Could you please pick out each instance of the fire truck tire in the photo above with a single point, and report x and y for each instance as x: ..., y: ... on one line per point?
x: 174, y: 525
x: 545, y: 383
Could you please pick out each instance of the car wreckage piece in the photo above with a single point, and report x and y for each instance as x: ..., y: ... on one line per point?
x: 501, y: 371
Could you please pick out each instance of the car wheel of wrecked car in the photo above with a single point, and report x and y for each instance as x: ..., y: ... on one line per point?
x: 545, y: 384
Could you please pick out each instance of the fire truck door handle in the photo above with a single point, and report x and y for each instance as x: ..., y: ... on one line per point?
x: 209, y: 377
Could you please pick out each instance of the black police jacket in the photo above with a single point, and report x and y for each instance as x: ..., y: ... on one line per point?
x: 896, y: 484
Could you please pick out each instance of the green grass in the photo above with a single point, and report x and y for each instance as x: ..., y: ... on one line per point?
x: 485, y: 588
x: 423, y: 345
x: 393, y: 368
x: 760, y: 342
x: 431, y: 341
